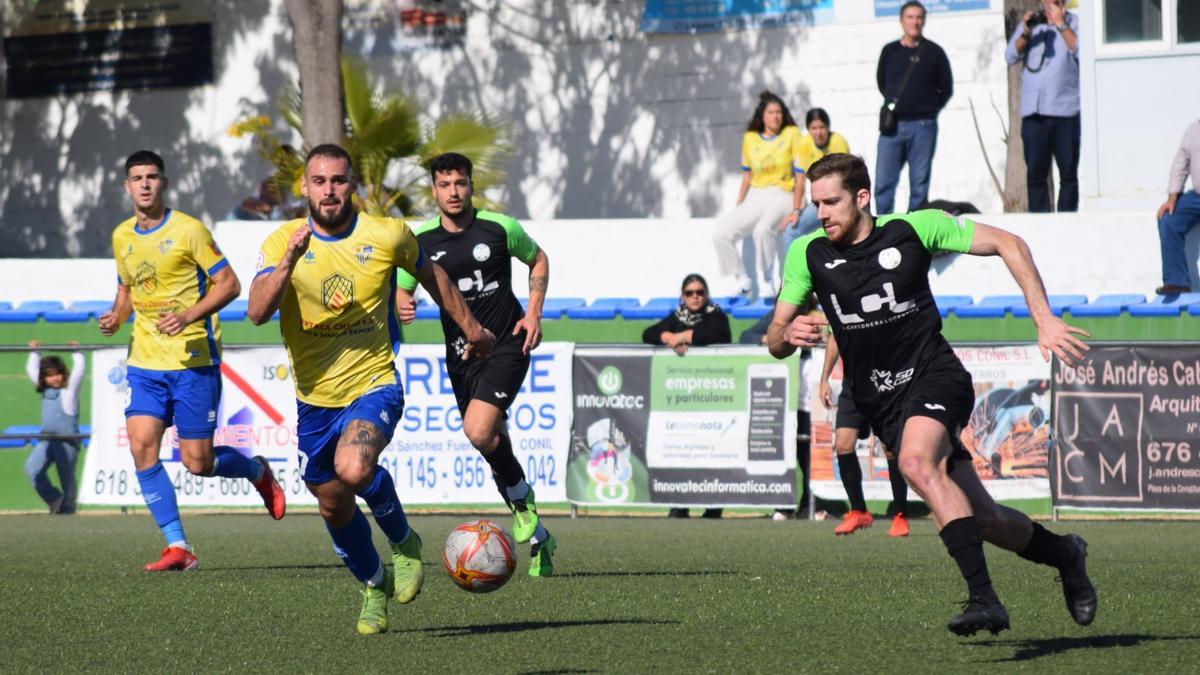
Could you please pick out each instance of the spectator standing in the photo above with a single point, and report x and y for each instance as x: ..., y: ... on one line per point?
x: 1180, y: 213
x: 768, y: 194
x: 697, y: 321
x: 59, y: 389
x: 1047, y: 42
x: 915, y: 79
x: 819, y: 141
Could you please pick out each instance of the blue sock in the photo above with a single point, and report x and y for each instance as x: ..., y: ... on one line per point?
x: 380, y: 495
x: 160, y: 499
x: 229, y: 463
x: 353, y: 545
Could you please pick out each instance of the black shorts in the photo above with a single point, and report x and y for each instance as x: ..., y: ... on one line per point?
x: 946, y: 395
x: 495, y: 380
x: 849, y: 416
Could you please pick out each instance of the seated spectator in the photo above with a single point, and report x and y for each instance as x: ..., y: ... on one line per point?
x: 695, y: 322
x: 266, y: 205
x: 1179, y: 214
x: 819, y: 141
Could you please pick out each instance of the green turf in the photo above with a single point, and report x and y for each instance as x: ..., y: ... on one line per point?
x: 632, y: 595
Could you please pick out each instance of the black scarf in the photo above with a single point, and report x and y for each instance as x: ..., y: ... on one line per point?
x: 689, y: 318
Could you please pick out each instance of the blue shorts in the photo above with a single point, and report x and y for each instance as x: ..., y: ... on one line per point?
x: 185, y: 398
x: 320, y: 428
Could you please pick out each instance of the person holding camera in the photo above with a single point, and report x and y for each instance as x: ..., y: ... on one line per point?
x: 915, y: 79
x: 1047, y: 43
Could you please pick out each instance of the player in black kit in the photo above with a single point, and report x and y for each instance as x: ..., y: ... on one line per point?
x: 476, y: 248
x: 872, y: 276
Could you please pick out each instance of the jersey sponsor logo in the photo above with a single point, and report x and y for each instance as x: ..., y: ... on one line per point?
x: 873, y: 303
x: 935, y: 406
x: 459, y: 346
x: 165, y: 245
x: 337, y: 293
x: 889, y: 258
x: 475, y: 283
x: 363, y: 254
x: 481, y: 252
x: 885, y: 381
x: 835, y: 263
x: 146, y: 277
x: 437, y: 256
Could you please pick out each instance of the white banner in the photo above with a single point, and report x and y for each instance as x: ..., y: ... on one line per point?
x: 430, y: 459
x: 1007, y: 437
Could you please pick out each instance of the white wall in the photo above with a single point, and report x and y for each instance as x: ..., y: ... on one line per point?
x: 1076, y: 253
x: 610, y: 122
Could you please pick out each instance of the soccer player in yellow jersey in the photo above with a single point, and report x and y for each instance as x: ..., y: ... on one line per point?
x: 170, y: 271
x: 332, y: 278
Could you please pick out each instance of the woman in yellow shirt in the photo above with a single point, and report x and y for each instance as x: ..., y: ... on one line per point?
x: 819, y: 141
x: 769, y: 191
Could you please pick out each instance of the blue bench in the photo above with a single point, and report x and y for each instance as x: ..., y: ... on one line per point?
x: 31, y: 429
x: 654, y: 308
x: 1165, y: 305
x: 990, y: 307
x: 29, y: 311
x: 234, y: 311
x: 428, y: 310
x: 1058, y: 304
x: 949, y: 303
x: 602, y: 308
x: 1112, y: 304
x: 755, y: 310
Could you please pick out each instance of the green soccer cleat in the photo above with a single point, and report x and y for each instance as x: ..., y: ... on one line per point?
x: 541, y: 560
x: 525, y: 520
x: 373, y: 618
x: 409, y: 575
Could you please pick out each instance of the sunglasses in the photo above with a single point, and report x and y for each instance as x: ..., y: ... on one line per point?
x: 692, y: 293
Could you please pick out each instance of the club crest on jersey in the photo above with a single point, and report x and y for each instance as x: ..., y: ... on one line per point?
x: 363, y: 254
x: 482, y: 252
x: 165, y: 246
x: 337, y: 293
x: 889, y: 258
x: 146, y: 277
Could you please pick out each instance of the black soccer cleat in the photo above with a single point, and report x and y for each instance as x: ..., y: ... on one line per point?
x: 979, y: 614
x: 1077, y: 588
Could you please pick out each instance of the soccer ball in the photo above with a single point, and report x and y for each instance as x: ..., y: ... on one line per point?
x: 480, y: 556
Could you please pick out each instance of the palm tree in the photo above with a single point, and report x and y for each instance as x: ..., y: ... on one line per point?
x: 389, y: 144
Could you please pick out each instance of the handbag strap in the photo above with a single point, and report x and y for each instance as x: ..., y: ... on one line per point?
x: 912, y: 62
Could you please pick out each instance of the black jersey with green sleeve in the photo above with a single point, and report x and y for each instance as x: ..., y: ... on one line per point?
x: 877, y: 299
x: 479, y: 262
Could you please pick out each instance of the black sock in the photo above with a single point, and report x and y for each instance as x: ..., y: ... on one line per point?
x: 506, y: 470
x: 1046, y: 548
x: 852, y: 480
x: 899, y: 487
x: 965, y: 544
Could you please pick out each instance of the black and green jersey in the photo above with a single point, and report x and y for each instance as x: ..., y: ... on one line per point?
x: 479, y: 261
x: 877, y: 299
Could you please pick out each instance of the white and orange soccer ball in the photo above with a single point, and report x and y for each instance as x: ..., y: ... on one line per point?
x: 480, y: 556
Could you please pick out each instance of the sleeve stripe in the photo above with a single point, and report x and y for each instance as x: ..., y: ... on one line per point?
x: 265, y: 270
x: 222, y: 264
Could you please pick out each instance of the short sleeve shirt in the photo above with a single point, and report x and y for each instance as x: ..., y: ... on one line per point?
x: 772, y: 161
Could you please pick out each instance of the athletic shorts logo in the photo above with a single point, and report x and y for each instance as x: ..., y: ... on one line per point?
x: 835, y: 263
x: 501, y: 394
x: 337, y: 293
x: 212, y: 415
x: 935, y: 406
x: 889, y: 258
x: 482, y: 252
x: 384, y: 416
x: 884, y: 380
x: 609, y: 380
x: 146, y: 277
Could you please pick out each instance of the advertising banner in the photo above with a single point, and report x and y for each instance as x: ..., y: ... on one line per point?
x: 390, y: 27
x: 1008, y: 435
x: 716, y: 427
x: 1126, y: 423
x: 706, y: 16
x: 891, y: 8
x: 62, y: 46
x: 429, y: 458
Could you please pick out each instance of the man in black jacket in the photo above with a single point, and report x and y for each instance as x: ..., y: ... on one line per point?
x: 914, y: 77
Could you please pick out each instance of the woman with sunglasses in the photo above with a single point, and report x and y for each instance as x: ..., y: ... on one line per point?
x: 697, y: 321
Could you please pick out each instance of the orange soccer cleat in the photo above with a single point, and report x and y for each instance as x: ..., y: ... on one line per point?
x: 854, y: 520
x: 272, y: 494
x: 899, y: 526
x: 174, y: 559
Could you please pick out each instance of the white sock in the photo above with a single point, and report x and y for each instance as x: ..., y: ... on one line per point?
x: 377, y: 580
x: 182, y: 543
x: 517, y: 492
x: 540, y: 534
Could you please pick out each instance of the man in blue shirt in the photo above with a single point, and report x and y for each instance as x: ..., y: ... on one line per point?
x: 1047, y: 42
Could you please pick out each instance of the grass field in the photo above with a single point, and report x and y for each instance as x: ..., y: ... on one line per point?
x: 632, y: 595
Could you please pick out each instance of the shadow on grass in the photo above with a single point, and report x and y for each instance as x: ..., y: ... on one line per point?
x: 1028, y: 650
x: 523, y: 626
x: 247, y: 568
x: 701, y: 573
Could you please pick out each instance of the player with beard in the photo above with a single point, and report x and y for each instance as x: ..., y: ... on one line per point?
x: 872, y: 276
x: 330, y: 277
x: 476, y: 248
x: 171, y: 273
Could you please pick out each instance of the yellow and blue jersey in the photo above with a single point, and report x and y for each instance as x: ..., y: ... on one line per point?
x: 169, y: 268
x: 810, y: 153
x: 337, y: 316
x: 772, y: 162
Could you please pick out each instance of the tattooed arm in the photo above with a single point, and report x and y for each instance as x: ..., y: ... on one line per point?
x: 539, y: 280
